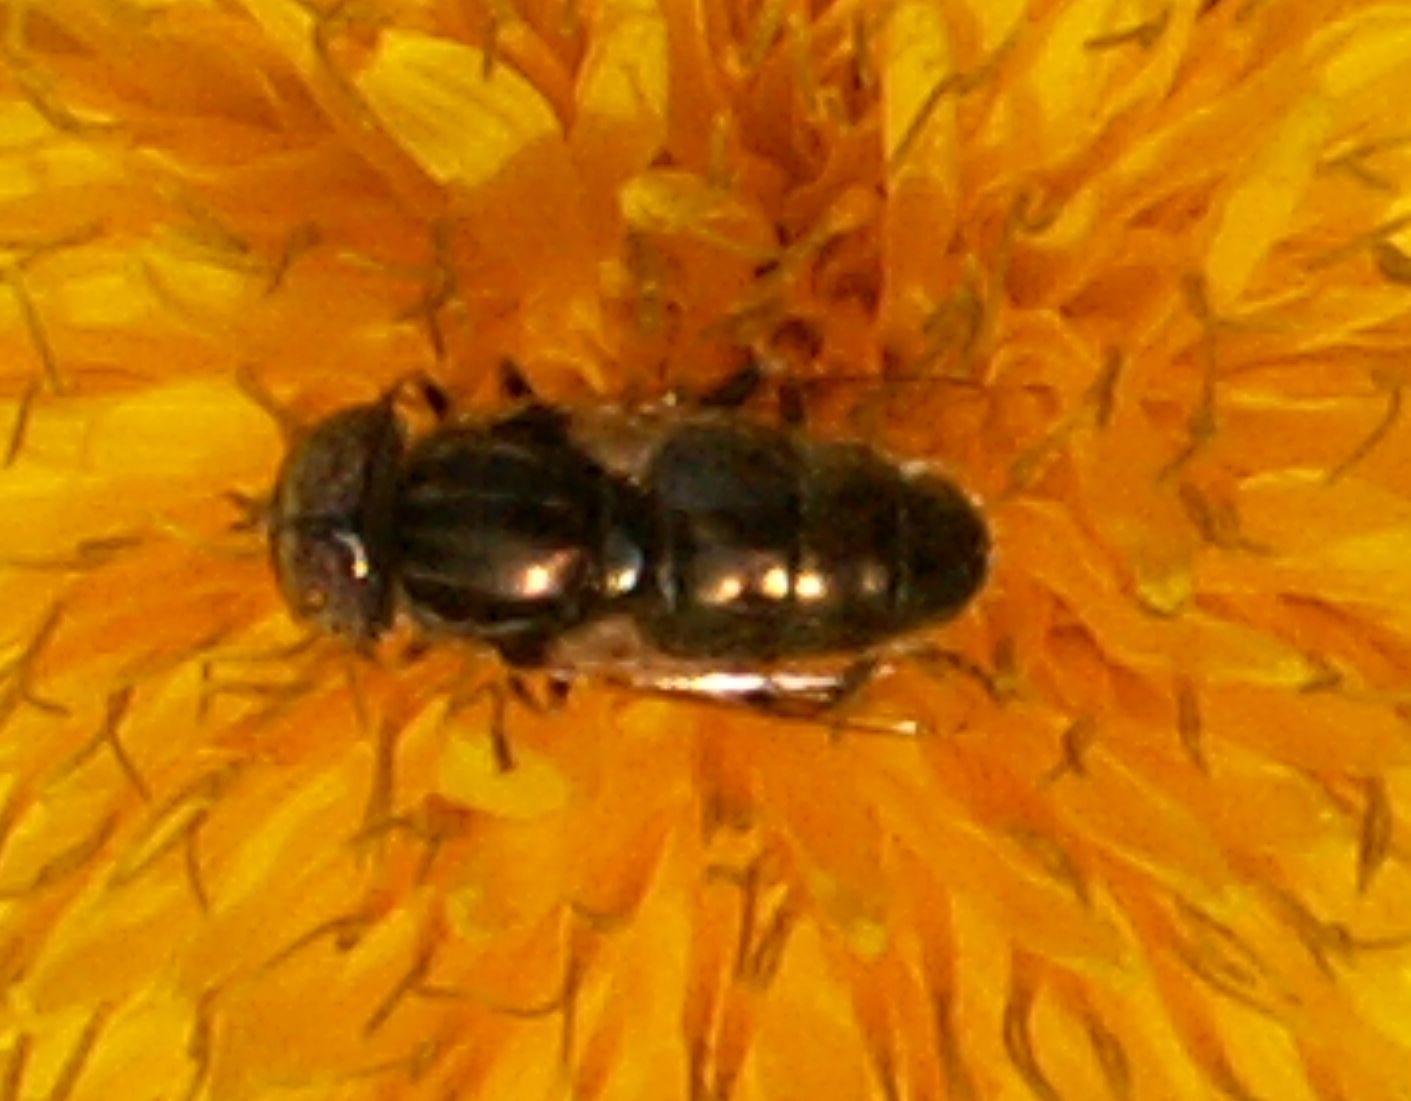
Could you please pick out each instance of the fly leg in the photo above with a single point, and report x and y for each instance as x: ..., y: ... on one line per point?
x: 734, y: 390
x: 741, y: 385
x: 551, y: 700
x: 517, y: 687
x: 534, y: 422
x: 514, y: 387
x: 436, y: 398
x: 938, y: 662
x: 496, y: 692
x: 433, y: 395
x: 513, y: 687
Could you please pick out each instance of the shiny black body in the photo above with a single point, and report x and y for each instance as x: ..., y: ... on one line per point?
x: 510, y: 533
x: 713, y: 540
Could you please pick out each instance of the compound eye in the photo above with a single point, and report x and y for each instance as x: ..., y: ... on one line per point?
x: 329, y: 579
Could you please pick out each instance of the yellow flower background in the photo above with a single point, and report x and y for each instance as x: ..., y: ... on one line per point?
x: 1135, y: 272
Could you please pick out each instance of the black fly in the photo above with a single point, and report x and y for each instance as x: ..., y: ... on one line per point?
x: 684, y: 550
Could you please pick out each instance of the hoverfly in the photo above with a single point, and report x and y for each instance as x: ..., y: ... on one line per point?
x: 682, y: 549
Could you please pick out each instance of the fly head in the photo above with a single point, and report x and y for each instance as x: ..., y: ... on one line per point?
x: 330, y: 522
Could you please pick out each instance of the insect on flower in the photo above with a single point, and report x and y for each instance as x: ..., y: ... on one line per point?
x: 677, y: 548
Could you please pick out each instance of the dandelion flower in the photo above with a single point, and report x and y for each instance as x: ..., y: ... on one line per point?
x: 1135, y: 273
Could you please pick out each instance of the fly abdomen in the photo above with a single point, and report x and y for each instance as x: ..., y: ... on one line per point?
x: 726, y: 503
x: 945, y: 551
x: 771, y: 547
